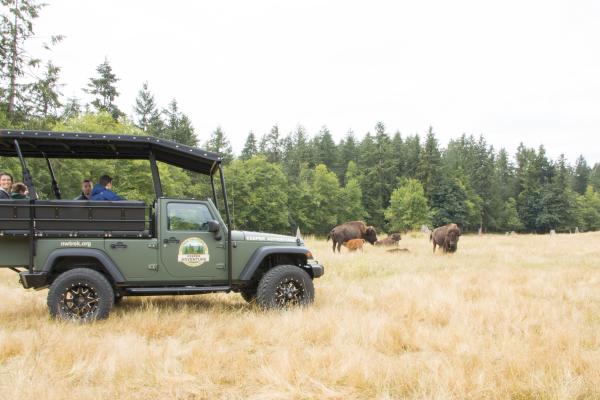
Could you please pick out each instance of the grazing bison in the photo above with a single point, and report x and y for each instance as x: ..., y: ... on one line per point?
x: 354, y: 244
x: 446, y: 237
x: 351, y: 230
x: 391, y: 240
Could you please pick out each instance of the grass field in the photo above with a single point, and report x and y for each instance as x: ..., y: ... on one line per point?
x: 505, y: 317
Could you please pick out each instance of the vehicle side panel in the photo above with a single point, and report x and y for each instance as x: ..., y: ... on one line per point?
x: 14, y: 252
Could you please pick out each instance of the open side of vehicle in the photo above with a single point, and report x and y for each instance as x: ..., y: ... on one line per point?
x: 92, y: 253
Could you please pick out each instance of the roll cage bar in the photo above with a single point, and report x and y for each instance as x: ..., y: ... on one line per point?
x: 78, y: 145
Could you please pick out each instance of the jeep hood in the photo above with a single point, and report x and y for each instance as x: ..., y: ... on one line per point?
x: 262, y: 237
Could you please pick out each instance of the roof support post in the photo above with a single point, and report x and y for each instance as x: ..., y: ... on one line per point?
x: 26, y: 174
x: 214, y: 192
x: 32, y: 196
x: 55, y: 187
x: 155, y: 175
x: 228, y: 221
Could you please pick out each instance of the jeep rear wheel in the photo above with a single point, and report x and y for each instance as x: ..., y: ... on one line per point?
x: 81, y: 295
x: 285, y: 286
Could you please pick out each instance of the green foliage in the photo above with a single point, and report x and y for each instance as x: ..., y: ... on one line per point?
x: 509, y: 217
x: 250, y: 149
x: 588, y: 210
x: 177, y: 126
x: 219, y: 143
x: 408, y: 207
x: 257, y: 195
x: 325, y: 190
x: 147, y: 116
x: 104, y: 88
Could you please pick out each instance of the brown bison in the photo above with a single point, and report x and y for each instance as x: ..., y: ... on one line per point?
x: 354, y: 244
x: 351, y: 230
x: 446, y: 237
x: 391, y: 240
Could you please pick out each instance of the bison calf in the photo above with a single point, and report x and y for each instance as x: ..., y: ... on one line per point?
x: 391, y: 240
x: 354, y: 244
x: 446, y: 237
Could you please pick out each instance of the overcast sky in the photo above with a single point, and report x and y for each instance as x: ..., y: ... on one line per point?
x: 510, y: 70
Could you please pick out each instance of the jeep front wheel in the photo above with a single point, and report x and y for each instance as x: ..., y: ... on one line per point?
x: 80, y: 294
x: 285, y: 286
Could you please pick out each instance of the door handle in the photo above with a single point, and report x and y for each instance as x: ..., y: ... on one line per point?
x: 118, y: 245
x: 171, y: 240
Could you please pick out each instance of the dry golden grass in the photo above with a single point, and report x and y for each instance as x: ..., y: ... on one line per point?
x: 505, y: 317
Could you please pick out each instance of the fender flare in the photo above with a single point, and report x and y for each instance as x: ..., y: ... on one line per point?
x: 260, y: 254
x: 99, y: 255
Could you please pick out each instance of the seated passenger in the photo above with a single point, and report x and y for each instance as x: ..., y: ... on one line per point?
x: 86, y: 190
x: 19, y: 191
x: 103, y: 190
x: 5, y: 185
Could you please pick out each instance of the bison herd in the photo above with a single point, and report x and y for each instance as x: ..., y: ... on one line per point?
x: 354, y: 234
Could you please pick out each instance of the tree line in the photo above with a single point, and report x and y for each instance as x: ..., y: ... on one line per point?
x: 280, y: 181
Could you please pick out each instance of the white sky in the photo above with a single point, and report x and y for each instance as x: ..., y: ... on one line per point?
x: 510, y: 70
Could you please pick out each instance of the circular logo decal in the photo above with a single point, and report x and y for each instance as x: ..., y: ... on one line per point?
x: 193, y: 252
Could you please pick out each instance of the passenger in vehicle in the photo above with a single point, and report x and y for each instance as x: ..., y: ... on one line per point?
x: 19, y: 191
x: 86, y: 190
x: 6, y: 181
x: 103, y: 190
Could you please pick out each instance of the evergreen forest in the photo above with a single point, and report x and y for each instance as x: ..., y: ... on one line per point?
x: 283, y: 180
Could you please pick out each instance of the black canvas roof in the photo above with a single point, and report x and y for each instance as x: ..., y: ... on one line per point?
x: 106, y: 146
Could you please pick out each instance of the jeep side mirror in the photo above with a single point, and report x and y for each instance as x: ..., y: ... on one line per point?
x: 214, y: 227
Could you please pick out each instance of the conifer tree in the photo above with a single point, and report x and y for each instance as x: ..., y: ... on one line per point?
x: 45, y: 93
x: 582, y: 175
x: 219, y: 143
x: 178, y: 126
x: 147, y: 116
x: 250, y: 149
x: 105, y: 91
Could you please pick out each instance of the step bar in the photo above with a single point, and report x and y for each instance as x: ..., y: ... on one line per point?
x: 158, y: 291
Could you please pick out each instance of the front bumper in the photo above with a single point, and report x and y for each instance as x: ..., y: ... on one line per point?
x: 36, y: 280
x: 317, y: 270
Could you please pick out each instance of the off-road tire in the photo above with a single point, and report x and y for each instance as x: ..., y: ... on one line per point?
x: 81, y: 295
x: 285, y: 286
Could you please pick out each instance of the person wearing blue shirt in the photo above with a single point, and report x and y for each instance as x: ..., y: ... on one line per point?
x: 103, y: 190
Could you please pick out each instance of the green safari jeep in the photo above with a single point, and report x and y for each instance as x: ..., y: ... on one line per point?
x: 90, y: 254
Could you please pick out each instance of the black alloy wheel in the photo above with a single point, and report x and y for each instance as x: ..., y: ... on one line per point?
x: 81, y: 295
x: 285, y: 286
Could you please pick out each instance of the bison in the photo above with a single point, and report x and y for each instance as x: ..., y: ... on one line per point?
x: 446, y: 237
x: 354, y: 244
x: 351, y: 230
x: 391, y: 240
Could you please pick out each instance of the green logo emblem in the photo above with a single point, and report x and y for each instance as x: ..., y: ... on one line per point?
x: 193, y: 252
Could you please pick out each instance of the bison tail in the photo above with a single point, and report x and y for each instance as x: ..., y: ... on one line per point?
x: 431, y: 236
x: 328, y: 237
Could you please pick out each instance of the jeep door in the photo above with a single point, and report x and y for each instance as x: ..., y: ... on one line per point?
x: 187, y: 249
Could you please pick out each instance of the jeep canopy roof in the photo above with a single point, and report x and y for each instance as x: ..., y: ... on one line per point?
x: 106, y: 146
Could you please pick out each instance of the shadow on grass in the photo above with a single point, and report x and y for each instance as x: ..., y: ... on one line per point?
x: 200, y: 303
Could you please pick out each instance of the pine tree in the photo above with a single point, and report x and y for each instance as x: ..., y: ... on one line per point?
x: 105, y: 91
x: 46, y: 93
x: 219, y: 143
x: 324, y: 150
x: 146, y: 114
x: 429, y: 163
x: 582, y: 175
x: 71, y: 109
x: 348, y: 151
x: 178, y: 126
x: 16, y: 27
x: 250, y: 149
x: 270, y: 145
